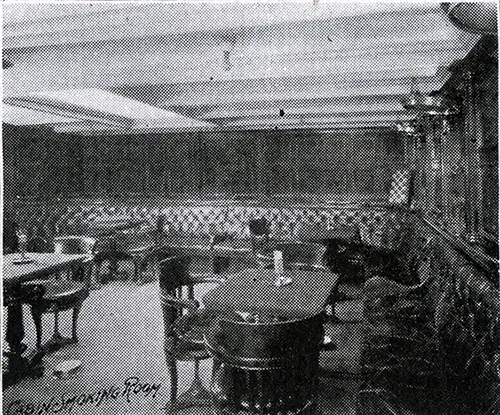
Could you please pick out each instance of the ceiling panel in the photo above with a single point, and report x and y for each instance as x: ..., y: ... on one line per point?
x: 233, y: 65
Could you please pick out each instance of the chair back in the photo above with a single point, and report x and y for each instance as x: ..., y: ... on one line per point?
x: 259, y: 234
x: 272, y: 364
x: 174, y: 273
x: 127, y: 240
x: 74, y: 245
x: 302, y: 255
x: 259, y: 227
x: 270, y: 340
x: 38, y: 244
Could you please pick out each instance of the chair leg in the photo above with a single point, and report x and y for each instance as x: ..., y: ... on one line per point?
x: 36, y: 313
x: 98, y: 273
x: 197, y: 394
x: 56, y: 334
x: 333, y: 297
x: 172, y: 369
x: 76, y: 312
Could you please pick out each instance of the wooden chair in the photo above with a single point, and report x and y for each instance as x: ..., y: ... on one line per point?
x: 268, y: 366
x: 60, y: 294
x: 135, y: 245
x: 184, y: 325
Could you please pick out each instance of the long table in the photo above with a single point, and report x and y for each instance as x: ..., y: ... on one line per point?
x: 14, y: 273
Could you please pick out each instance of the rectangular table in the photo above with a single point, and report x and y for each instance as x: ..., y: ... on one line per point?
x: 13, y: 276
x: 42, y: 264
x: 253, y: 291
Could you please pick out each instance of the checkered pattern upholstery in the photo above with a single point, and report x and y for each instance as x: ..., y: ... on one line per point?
x: 233, y: 220
x: 400, y: 188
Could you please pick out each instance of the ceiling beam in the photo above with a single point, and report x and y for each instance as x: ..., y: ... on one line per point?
x: 83, y: 24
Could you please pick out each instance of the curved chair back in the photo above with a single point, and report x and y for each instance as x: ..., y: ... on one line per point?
x: 302, y: 255
x: 272, y: 365
x: 74, y: 245
x: 259, y: 233
x: 270, y: 341
x: 174, y: 273
x: 259, y: 227
x: 38, y: 244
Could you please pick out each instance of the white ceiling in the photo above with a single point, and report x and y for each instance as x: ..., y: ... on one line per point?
x: 232, y: 65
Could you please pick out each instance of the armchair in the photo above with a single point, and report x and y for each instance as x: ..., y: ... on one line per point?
x: 59, y: 294
x: 184, y: 326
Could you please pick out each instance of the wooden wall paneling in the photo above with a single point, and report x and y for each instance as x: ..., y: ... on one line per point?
x: 310, y: 167
x: 488, y: 105
x: 473, y: 141
x: 227, y: 163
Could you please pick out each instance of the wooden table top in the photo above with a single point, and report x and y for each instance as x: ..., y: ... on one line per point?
x: 42, y: 264
x: 253, y: 291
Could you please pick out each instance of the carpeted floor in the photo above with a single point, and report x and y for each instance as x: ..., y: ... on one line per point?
x: 123, y: 368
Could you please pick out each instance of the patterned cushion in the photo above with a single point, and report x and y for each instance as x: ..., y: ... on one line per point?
x: 231, y: 220
x: 400, y: 188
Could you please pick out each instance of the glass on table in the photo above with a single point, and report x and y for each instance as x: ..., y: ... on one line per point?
x: 23, y: 242
x: 279, y: 270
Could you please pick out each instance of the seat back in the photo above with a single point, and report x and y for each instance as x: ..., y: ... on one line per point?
x: 174, y: 273
x: 259, y: 234
x: 302, y: 255
x: 74, y: 245
x: 270, y: 364
x: 174, y: 276
x: 38, y: 244
x: 259, y: 227
x: 271, y: 339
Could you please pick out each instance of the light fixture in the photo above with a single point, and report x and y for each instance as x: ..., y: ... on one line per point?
x: 227, y: 48
x: 414, y: 100
x: 430, y: 104
x: 411, y: 128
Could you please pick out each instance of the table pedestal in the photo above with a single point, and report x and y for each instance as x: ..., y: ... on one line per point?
x: 273, y: 391
x: 266, y: 368
x: 16, y: 366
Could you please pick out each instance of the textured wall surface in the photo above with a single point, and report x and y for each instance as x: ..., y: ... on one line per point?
x: 343, y: 163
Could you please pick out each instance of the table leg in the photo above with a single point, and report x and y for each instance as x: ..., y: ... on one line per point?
x: 16, y: 365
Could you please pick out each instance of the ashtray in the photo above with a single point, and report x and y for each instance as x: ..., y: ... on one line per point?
x: 327, y: 340
x: 66, y: 369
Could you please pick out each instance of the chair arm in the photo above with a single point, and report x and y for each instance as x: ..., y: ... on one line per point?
x: 206, y: 278
x: 180, y: 303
